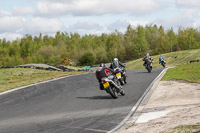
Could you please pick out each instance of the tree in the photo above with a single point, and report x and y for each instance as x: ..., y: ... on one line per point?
x: 87, y: 59
x: 140, y: 46
x: 172, y: 40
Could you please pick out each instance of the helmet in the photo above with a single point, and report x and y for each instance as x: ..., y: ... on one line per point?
x: 115, y: 59
x: 160, y: 57
x: 147, y: 54
x: 101, y: 65
x: 115, y: 63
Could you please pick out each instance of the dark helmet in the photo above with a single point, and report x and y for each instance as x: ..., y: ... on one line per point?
x: 101, y: 65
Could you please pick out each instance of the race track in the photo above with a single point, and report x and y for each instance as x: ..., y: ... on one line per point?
x: 70, y: 105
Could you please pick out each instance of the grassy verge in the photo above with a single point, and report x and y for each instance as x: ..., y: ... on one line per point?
x: 188, y: 72
x: 17, y: 77
x: 185, y: 129
x: 172, y: 59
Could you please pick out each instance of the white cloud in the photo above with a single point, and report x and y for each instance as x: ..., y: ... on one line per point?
x: 10, y: 36
x: 84, y: 26
x: 23, y: 11
x: 4, y: 13
x: 135, y: 23
x: 42, y: 25
x: 14, y: 25
x: 186, y: 19
x: 118, y: 25
x: 188, y: 3
x: 10, y: 23
x: 97, y: 7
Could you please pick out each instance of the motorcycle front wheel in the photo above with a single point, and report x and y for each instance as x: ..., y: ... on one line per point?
x: 148, y: 68
x: 163, y: 64
x: 121, y: 81
x: 113, y: 92
x: 122, y: 93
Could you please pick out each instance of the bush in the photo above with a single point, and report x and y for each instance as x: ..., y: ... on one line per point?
x: 87, y: 59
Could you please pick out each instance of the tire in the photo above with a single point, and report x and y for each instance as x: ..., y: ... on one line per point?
x: 163, y: 64
x: 122, y: 92
x: 113, y: 92
x: 121, y: 81
x: 124, y: 79
x: 148, y: 68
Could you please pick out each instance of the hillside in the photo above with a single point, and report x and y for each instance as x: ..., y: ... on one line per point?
x: 172, y: 59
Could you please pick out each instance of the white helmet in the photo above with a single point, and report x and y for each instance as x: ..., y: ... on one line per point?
x: 115, y: 59
x: 115, y: 63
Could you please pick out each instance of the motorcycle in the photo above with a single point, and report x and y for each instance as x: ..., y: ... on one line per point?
x: 163, y: 62
x: 119, y: 76
x: 111, y: 86
x: 148, y: 65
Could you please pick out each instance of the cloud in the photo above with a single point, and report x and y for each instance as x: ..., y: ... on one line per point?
x: 14, y: 26
x: 10, y: 23
x: 96, y: 7
x: 121, y: 25
x: 135, y: 23
x: 4, y: 13
x: 42, y: 25
x: 11, y: 36
x: 23, y: 11
x: 118, y: 25
x: 184, y: 20
x: 85, y: 28
x: 188, y: 3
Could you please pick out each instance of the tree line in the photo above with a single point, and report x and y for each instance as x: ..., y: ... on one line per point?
x: 93, y: 49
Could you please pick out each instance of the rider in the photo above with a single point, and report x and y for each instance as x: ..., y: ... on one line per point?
x: 101, y: 72
x: 146, y: 58
x: 160, y: 59
x: 117, y: 64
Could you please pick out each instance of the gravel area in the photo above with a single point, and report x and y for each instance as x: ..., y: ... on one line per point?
x: 172, y: 103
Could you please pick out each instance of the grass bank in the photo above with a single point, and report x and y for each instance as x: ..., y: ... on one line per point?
x: 185, y: 129
x: 172, y: 59
x: 17, y: 77
x: 188, y: 72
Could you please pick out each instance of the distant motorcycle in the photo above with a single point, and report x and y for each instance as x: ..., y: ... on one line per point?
x: 111, y: 85
x: 119, y: 76
x: 148, y: 65
x: 163, y: 62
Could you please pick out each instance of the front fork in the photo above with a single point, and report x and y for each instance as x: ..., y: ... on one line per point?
x: 116, y: 86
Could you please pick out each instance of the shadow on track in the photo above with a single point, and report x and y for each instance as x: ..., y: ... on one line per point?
x: 144, y: 72
x: 96, y: 97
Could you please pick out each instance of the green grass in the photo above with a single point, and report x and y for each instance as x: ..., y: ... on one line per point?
x: 185, y: 129
x: 172, y: 59
x: 17, y: 77
x: 188, y: 72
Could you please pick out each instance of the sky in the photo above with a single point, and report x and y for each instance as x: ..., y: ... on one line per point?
x: 21, y: 17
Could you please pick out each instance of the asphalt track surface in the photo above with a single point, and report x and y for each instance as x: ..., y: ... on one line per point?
x: 70, y: 105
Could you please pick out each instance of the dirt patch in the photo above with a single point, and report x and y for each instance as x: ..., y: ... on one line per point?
x: 173, y: 103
